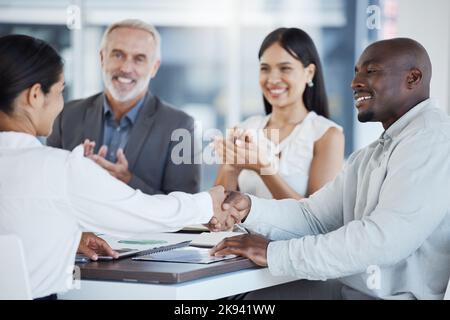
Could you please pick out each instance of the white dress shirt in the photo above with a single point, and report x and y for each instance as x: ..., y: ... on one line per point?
x: 383, y: 225
x: 48, y: 196
x: 297, y: 152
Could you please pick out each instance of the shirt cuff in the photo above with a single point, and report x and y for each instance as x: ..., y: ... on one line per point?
x: 254, y: 216
x: 278, y: 259
x: 205, y: 206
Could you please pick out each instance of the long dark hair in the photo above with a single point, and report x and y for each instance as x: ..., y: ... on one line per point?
x: 25, y: 61
x: 300, y: 46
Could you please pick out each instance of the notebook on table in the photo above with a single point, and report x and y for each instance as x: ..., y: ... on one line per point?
x: 183, y: 255
x: 140, y: 245
x: 210, y: 239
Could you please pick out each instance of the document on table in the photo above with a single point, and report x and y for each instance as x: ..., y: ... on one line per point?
x: 184, y: 255
x: 210, y: 239
x: 146, y: 242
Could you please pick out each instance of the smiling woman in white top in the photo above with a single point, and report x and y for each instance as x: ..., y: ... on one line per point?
x: 294, y: 150
x: 48, y: 196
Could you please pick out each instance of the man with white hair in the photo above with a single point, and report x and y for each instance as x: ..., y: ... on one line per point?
x: 129, y: 129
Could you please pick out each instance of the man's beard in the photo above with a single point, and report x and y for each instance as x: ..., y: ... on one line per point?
x: 140, y: 85
x: 366, y: 116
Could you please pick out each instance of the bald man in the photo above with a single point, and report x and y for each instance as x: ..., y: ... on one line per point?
x: 381, y: 229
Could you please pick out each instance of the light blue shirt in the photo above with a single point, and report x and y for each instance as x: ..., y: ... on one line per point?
x: 383, y: 225
x: 116, y: 134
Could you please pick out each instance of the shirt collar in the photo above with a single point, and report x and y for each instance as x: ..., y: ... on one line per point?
x: 398, y: 126
x: 131, y: 115
x: 16, y: 140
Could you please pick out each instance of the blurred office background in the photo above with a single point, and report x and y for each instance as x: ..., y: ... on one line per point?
x: 209, y: 48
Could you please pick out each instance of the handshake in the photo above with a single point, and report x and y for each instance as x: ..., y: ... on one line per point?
x: 229, y: 207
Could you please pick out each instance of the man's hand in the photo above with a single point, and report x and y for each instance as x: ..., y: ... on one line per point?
x: 118, y: 170
x: 251, y: 246
x: 88, y: 147
x: 222, y: 219
x: 92, y: 246
x: 239, y: 203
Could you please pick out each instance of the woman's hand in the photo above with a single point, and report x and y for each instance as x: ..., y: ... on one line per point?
x: 228, y: 163
x: 241, y: 150
x: 92, y: 246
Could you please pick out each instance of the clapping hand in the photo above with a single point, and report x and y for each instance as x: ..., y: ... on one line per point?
x: 240, y: 150
x: 118, y: 170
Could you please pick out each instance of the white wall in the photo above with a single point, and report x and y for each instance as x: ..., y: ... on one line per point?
x: 429, y: 23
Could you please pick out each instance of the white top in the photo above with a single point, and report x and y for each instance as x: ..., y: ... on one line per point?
x: 48, y: 196
x: 383, y: 225
x: 297, y: 152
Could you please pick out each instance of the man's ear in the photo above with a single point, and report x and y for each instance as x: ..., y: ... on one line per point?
x: 35, y: 96
x: 101, y: 57
x: 414, y: 78
x: 155, y: 67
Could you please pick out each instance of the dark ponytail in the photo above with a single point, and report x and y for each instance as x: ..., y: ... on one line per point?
x: 25, y: 61
x: 300, y: 45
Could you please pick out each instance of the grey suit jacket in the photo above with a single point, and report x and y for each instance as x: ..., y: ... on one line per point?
x: 149, y: 146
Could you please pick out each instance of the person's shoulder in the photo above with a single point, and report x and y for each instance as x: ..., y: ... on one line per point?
x: 56, y: 153
x: 79, y: 104
x: 432, y: 123
x: 332, y: 136
x: 75, y: 158
x: 54, y: 157
x: 76, y: 166
x: 320, y: 122
x: 322, y: 128
x: 436, y: 120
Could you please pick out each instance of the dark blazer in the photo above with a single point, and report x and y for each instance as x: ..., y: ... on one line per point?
x: 149, y: 146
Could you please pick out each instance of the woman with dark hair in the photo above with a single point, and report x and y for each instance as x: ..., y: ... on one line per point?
x: 48, y: 196
x: 295, y: 149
